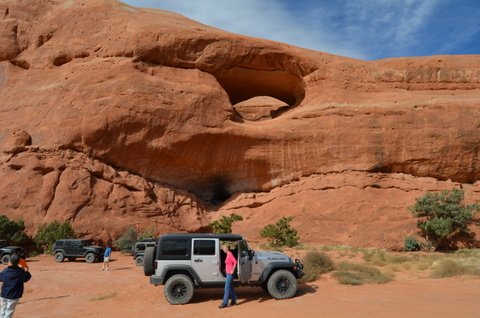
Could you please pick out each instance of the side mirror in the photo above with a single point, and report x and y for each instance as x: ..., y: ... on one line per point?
x: 251, y: 253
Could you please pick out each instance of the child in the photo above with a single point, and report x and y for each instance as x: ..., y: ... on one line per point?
x: 13, y: 278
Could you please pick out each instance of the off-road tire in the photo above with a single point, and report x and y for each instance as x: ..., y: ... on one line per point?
x: 90, y: 258
x: 282, y: 284
x: 6, y: 259
x: 139, y: 260
x: 149, y: 261
x: 178, y: 289
x: 59, y: 257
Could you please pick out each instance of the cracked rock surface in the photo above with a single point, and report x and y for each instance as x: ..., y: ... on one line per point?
x: 114, y: 116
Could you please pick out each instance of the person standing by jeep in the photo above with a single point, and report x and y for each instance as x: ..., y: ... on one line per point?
x: 106, y: 258
x: 13, y: 278
x: 229, y: 292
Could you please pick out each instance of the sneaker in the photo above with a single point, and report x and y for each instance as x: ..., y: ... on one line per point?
x: 222, y: 305
x: 233, y: 303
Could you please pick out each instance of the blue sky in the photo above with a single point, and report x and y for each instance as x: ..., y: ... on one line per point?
x: 365, y: 29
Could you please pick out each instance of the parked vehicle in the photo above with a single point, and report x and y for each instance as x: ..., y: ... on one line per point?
x: 7, y: 251
x: 75, y: 248
x: 183, y: 262
x: 138, y: 250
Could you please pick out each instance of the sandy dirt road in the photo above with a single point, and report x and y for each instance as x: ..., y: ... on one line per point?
x: 77, y: 289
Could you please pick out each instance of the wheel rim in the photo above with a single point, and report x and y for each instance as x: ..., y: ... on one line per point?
x: 59, y: 257
x: 89, y: 258
x: 178, y: 290
x: 283, y: 285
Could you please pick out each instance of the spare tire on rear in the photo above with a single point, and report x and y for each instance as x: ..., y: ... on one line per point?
x: 149, y: 261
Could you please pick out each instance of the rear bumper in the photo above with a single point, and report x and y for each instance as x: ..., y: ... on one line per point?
x: 155, y: 280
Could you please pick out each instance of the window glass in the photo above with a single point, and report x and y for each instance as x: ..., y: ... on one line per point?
x: 204, y: 247
x: 60, y: 243
x: 77, y: 243
x: 68, y: 243
x: 140, y: 247
x: 175, y: 247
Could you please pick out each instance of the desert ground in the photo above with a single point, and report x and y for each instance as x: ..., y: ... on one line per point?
x: 77, y: 289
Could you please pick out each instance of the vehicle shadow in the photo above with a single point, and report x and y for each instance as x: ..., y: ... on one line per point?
x: 247, y: 294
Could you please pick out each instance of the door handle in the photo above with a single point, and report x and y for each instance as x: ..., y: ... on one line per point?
x: 198, y: 261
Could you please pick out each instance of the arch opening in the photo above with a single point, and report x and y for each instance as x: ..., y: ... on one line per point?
x: 244, y: 84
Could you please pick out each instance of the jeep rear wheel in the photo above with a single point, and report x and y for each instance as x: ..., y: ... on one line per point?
x: 90, y: 258
x: 282, y: 284
x: 5, y: 259
x: 178, y: 289
x: 59, y: 257
x: 149, y: 261
x: 139, y: 260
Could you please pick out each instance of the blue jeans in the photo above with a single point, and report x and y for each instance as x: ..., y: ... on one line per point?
x: 229, y: 292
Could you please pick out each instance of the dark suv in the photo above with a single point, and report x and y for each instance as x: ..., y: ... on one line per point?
x: 138, y: 249
x: 73, y: 249
x: 7, y: 251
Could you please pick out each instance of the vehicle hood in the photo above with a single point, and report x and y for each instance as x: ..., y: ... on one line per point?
x: 269, y: 256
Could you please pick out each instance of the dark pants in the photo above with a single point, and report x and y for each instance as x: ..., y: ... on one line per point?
x: 229, y: 292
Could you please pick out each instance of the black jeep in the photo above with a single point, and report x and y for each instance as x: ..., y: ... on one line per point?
x: 7, y: 251
x: 73, y: 249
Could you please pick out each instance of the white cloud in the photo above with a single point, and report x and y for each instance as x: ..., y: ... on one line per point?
x: 356, y: 28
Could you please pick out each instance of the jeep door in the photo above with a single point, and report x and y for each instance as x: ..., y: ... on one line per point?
x: 244, y: 267
x: 67, y: 247
x: 77, y: 248
x: 205, y: 259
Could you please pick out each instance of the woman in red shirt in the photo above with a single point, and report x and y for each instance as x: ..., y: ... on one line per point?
x: 229, y: 292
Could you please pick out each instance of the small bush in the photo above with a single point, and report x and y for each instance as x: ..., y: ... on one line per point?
x: 449, y: 268
x: 358, y: 274
x: 224, y: 224
x: 443, y: 215
x: 13, y: 232
x: 127, y: 240
x: 381, y: 258
x: 280, y: 233
x: 411, y: 244
x: 315, y: 264
x: 47, y: 234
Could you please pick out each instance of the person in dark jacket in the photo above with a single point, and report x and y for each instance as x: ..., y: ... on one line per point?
x: 13, y: 278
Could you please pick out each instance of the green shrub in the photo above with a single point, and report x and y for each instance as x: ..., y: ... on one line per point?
x: 411, y: 244
x: 315, y: 264
x: 442, y: 216
x: 280, y: 233
x: 146, y: 234
x: 13, y: 232
x: 358, y: 274
x: 47, y: 234
x: 127, y: 240
x: 382, y: 258
x: 224, y: 224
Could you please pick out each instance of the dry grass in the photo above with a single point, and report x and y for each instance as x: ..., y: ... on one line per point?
x: 103, y: 297
x: 358, y: 274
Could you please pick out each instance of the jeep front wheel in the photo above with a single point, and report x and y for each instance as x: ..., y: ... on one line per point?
x: 5, y: 259
x: 282, y: 284
x: 59, y: 257
x: 90, y: 258
x: 178, y: 289
x: 139, y: 260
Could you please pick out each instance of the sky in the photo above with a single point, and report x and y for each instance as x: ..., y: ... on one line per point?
x: 364, y: 29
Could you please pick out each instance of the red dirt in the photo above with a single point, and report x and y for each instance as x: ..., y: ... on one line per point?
x: 82, y: 290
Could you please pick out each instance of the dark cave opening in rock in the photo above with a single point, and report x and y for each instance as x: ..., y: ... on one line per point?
x: 215, y: 191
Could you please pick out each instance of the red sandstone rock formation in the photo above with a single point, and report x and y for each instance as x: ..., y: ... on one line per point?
x: 143, y: 117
